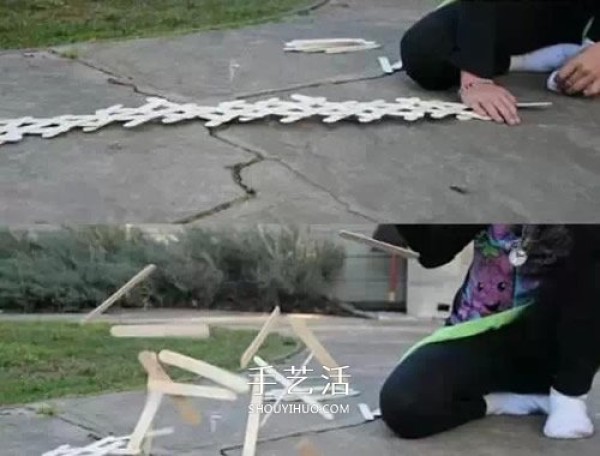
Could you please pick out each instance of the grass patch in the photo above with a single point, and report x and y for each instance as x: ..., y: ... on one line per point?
x: 40, y: 361
x: 33, y: 23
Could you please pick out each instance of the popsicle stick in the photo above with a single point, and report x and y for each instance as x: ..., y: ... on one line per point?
x: 386, y: 65
x: 182, y: 389
x: 279, y: 378
x: 362, y: 47
x: 281, y: 396
x: 384, y: 246
x: 206, y: 370
x: 260, y: 338
x: 196, y: 331
x: 310, y: 340
x: 144, y: 424
x: 253, y: 424
x: 149, y: 362
x: 133, y: 282
x: 535, y: 104
x: 366, y: 412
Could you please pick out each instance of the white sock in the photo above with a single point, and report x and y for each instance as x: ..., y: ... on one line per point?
x: 568, y: 418
x: 545, y: 59
x: 516, y: 404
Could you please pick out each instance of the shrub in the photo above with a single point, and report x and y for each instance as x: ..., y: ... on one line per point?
x: 72, y: 269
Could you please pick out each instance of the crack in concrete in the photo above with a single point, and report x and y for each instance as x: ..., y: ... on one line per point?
x: 260, y: 157
x: 93, y: 433
x: 224, y: 450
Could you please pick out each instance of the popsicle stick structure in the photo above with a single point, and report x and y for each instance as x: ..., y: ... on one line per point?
x: 133, y: 282
x: 105, y: 447
x: 160, y: 385
x: 379, y: 245
x: 197, y: 331
x: 297, y: 108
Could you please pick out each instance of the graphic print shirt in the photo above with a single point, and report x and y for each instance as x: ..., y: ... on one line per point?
x: 493, y: 284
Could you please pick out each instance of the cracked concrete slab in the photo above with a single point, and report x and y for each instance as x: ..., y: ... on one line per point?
x: 152, y: 174
x: 284, y: 197
x: 24, y: 432
x: 544, y: 170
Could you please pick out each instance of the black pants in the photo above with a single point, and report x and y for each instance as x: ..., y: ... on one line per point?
x: 431, y: 57
x: 555, y: 343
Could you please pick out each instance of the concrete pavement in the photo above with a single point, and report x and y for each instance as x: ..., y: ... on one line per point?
x: 370, y: 349
x: 547, y: 169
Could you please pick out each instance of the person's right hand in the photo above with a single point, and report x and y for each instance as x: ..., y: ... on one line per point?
x: 491, y: 100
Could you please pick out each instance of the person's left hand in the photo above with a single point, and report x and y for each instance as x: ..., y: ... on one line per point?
x: 581, y: 74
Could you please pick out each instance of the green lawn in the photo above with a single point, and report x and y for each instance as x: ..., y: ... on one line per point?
x: 33, y: 23
x: 41, y: 361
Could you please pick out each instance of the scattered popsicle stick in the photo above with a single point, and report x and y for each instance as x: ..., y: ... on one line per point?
x: 310, y: 340
x: 206, y: 370
x: 149, y: 361
x: 260, y: 338
x: 384, y: 246
x: 366, y: 412
x: 197, y: 331
x: 279, y: 378
x: 133, y: 282
x: 253, y: 424
x: 182, y: 389
x: 386, y: 65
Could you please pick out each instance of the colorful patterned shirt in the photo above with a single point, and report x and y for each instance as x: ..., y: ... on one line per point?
x: 493, y: 284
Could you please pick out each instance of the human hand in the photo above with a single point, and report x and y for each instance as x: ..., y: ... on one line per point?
x: 581, y: 74
x: 489, y: 99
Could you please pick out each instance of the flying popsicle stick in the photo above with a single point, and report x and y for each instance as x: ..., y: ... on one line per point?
x: 310, y: 340
x: 196, y: 331
x: 384, y: 246
x: 133, y: 282
x: 206, y: 370
x: 260, y: 338
x: 253, y: 424
x: 149, y: 362
x: 286, y: 383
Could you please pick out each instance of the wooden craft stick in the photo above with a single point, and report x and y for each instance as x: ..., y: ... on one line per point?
x: 386, y: 65
x: 279, y: 378
x: 144, y: 424
x: 182, y: 389
x: 206, y: 370
x: 197, y: 331
x: 281, y: 395
x: 133, y: 282
x: 149, y: 361
x: 306, y: 448
x: 365, y: 410
x: 535, y: 104
x: 260, y: 338
x: 384, y: 246
x: 310, y: 340
x: 362, y: 47
x: 252, y: 426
